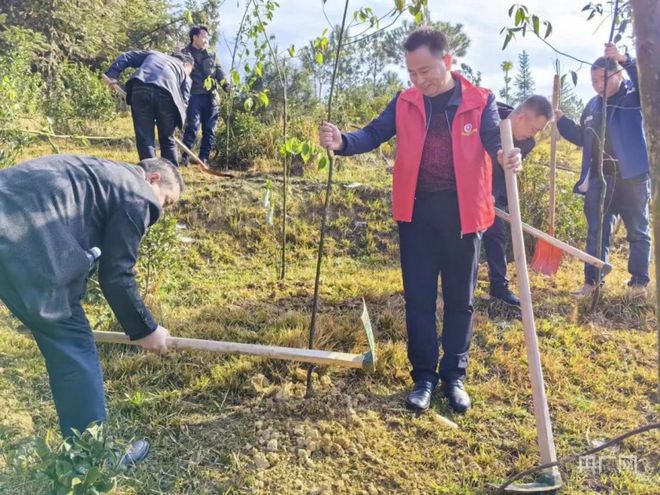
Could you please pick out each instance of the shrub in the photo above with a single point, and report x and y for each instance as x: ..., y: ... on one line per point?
x: 78, y: 99
x: 249, y: 138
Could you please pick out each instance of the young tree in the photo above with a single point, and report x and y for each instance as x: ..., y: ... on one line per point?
x: 507, y: 66
x: 524, y: 83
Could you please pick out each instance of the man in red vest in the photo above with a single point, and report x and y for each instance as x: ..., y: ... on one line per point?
x: 447, y: 131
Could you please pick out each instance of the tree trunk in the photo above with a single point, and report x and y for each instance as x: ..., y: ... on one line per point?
x: 646, y: 22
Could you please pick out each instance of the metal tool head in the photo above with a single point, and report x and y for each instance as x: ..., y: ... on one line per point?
x: 547, y: 482
x: 369, y: 357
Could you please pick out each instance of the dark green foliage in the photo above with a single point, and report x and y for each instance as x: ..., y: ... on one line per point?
x: 77, y: 98
x: 86, y: 464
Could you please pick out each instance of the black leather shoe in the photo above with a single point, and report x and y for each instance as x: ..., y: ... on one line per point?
x: 506, y: 296
x: 136, y: 452
x: 458, y: 398
x: 419, y: 398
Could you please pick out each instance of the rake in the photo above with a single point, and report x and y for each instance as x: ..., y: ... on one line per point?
x: 547, y: 258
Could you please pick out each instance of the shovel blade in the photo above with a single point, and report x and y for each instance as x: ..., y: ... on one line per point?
x: 547, y: 258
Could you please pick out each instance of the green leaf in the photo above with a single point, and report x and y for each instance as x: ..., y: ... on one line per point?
x: 574, y: 77
x: 536, y: 22
x: 235, y: 77
x: 319, y: 58
x: 248, y: 104
x: 617, y: 38
x: 548, y: 28
x: 208, y: 83
x: 508, y: 38
x: 323, y: 161
x: 62, y: 468
x: 306, y: 151
x: 263, y: 98
x: 292, y: 51
x: 93, y: 475
x: 400, y: 5
x: 188, y: 16
x: 520, y: 16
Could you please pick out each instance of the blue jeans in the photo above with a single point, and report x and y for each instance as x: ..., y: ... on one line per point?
x: 630, y: 199
x: 152, y: 105
x: 202, y: 109
x: 431, y: 246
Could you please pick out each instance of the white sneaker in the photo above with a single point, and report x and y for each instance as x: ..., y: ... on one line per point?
x: 584, y: 291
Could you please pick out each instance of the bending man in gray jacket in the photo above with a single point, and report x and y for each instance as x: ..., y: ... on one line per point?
x: 158, y: 91
x: 54, y: 210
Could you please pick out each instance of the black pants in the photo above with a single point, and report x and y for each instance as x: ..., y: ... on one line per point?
x: 431, y: 246
x: 495, y: 241
x: 153, y: 105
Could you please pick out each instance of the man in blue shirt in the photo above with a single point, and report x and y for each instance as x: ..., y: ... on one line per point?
x: 625, y: 166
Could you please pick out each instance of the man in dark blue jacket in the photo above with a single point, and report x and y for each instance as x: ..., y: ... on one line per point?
x: 625, y: 166
x: 203, y: 107
x: 527, y: 120
x: 158, y: 91
x: 56, y: 213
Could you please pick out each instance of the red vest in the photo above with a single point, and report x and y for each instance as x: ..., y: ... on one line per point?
x: 472, y: 164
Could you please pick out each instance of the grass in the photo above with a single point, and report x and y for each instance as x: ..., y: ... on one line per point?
x: 236, y: 424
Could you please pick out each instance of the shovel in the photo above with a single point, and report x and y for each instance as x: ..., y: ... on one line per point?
x: 549, y: 479
x: 547, y: 258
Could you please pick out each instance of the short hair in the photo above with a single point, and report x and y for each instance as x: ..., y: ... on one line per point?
x: 195, y: 30
x: 186, y: 58
x: 609, y: 64
x: 169, y: 174
x: 539, y: 106
x: 435, y: 40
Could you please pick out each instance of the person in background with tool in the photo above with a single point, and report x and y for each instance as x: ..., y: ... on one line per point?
x: 527, y: 120
x: 447, y: 130
x: 158, y: 91
x: 625, y: 167
x: 203, y: 107
x: 57, y: 215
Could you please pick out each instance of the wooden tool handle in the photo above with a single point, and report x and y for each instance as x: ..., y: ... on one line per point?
x: 556, y: 86
x: 553, y: 241
x: 541, y: 412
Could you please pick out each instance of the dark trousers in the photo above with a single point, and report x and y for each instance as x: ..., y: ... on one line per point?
x: 151, y: 105
x: 630, y: 199
x: 202, y: 109
x: 74, y: 371
x: 494, y: 241
x: 431, y: 246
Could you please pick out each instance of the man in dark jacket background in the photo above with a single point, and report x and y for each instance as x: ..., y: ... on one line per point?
x: 203, y: 106
x: 625, y: 166
x: 158, y: 91
x: 55, y: 212
x: 527, y: 120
